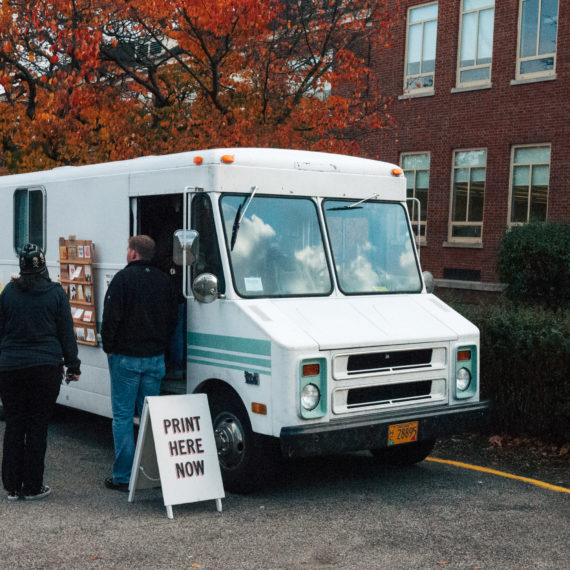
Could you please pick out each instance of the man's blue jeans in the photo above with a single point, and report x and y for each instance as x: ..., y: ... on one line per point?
x: 132, y: 379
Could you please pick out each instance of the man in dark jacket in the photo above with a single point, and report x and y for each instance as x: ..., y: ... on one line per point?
x: 139, y: 316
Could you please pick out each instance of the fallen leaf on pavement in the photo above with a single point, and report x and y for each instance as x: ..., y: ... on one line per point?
x: 496, y: 440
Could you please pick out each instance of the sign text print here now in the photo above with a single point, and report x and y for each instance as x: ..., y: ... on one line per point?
x: 184, y: 453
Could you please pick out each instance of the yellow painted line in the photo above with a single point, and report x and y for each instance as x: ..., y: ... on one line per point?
x: 501, y: 474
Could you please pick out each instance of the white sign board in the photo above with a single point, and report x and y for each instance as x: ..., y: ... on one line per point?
x: 181, y: 456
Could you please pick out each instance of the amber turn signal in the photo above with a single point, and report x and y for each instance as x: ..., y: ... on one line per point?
x: 258, y: 408
x: 463, y: 355
x: 311, y: 369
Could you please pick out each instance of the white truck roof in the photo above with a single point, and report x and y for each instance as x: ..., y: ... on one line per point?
x: 294, y: 172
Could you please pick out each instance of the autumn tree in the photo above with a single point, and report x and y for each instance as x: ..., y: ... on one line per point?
x: 90, y: 81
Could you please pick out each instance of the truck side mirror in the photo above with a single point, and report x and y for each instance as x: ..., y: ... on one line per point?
x: 185, y: 241
x: 205, y: 288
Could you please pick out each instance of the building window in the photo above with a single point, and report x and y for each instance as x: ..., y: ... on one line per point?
x: 469, y: 170
x: 476, y: 42
x: 416, y: 169
x: 538, y: 24
x: 530, y: 173
x: 420, y: 48
x: 29, y: 217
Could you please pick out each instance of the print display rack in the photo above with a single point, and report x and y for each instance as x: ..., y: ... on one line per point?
x: 77, y: 279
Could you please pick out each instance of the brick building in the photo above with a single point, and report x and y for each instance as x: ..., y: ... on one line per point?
x: 482, y: 104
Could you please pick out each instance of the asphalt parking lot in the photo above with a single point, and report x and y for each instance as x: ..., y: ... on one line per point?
x: 335, y: 512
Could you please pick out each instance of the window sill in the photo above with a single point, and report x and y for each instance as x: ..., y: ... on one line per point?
x: 463, y: 244
x: 471, y: 88
x: 533, y: 79
x: 412, y: 95
x: 470, y: 285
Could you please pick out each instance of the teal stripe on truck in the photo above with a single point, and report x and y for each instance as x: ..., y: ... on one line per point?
x: 236, y: 353
x: 231, y: 343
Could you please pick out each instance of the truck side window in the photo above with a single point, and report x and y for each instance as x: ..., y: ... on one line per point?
x: 202, y: 220
x: 29, y: 217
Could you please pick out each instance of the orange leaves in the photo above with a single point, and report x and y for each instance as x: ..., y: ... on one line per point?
x: 176, y: 75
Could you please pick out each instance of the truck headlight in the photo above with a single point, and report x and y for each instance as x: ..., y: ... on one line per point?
x: 310, y: 397
x: 462, y: 379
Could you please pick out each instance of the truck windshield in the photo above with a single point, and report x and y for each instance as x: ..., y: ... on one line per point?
x: 372, y: 247
x: 278, y: 250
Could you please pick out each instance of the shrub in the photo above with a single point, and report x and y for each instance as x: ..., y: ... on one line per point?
x: 525, y: 354
x: 534, y: 261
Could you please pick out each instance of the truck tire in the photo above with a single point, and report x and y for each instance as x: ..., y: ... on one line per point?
x: 406, y: 454
x: 238, y: 449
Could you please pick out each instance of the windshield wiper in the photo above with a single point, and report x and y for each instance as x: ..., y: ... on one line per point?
x: 240, y: 214
x: 356, y: 206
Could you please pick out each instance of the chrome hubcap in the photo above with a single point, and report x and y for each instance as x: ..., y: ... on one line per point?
x: 230, y: 440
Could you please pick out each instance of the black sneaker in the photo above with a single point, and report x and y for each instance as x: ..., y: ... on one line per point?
x: 13, y: 496
x: 110, y: 484
x: 41, y: 494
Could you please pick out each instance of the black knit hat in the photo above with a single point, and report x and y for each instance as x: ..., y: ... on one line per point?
x: 32, y: 260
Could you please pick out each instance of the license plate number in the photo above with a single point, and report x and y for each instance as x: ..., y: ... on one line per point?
x: 402, y: 433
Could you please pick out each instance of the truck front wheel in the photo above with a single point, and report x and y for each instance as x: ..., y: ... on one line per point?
x: 238, y: 453
x: 406, y: 454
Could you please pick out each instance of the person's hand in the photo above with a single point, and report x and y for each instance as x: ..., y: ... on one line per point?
x: 70, y: 377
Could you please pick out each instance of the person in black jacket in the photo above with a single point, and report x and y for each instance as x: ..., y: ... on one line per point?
x: 139, y: 316
x: 36, y: 340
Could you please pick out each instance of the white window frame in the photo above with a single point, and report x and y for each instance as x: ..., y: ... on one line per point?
x: 460, y: 69
x: 413, y: 214
x: 539, y: 74
x: 511, y: 180
x: 419, y: 90
x: 457, y: 224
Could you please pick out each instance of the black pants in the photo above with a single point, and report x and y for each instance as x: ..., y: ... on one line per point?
x: 28, y: 396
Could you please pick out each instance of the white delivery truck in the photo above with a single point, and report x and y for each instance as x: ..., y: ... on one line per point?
x: 308, y: 318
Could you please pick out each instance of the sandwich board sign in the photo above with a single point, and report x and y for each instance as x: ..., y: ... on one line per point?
x: 181, y: 455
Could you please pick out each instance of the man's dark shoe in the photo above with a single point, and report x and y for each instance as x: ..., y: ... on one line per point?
x: 110, y: 484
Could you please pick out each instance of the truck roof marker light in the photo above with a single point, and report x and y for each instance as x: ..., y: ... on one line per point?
x: 463, y: 355
x: 258, y: 408
x: 397, y: 172
x: 198, y: 160
x: 228, y: 158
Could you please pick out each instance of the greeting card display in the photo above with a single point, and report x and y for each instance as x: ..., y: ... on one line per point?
x: 77, y: 279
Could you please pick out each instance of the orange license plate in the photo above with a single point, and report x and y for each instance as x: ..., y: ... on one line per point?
x: 402, y: 433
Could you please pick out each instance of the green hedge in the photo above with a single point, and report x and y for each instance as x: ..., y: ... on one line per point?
x: 525, y: 361
x: 534, y: 262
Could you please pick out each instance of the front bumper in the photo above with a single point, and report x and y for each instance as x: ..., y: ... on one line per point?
x: 371, y: 431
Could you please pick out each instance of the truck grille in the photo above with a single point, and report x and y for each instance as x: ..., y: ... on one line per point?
x: 385, y: 378
x: 386, y: 361
x: 388, y: 394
